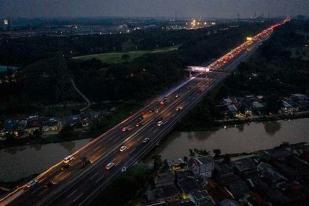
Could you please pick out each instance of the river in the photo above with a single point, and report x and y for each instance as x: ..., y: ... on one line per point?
x: 22, y: 161
x: 240, y: 138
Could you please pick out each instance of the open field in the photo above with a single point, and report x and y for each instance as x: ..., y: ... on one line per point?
x: 118, y: 57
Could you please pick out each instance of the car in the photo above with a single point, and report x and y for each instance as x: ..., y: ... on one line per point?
x: 146, y: 140
x: 179, y: 108
x: 31, y: 183
x: 138, y: 124
x: 177, y: 95
x: 124, y: 129
x: 109, y: 165
x: 124, y: 169
x: 123, y: 148
x: 67, y: 159
x: 159, y: 123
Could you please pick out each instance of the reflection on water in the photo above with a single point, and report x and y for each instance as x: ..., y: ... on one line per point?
x: 236, y: 138
x: 272, y: 127
x: 69, y: 146
x: 23, y: 161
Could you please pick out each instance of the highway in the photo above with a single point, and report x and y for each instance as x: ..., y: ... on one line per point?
x: 79, y: 178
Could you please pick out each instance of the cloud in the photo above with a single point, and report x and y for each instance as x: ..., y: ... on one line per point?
x: 155, y: 8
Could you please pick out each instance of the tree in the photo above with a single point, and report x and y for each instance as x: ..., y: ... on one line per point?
x: 217, y: 152
x: 125, y: 57
x: 67, y: 131
x: 192, y: 153
x: 157, y: 162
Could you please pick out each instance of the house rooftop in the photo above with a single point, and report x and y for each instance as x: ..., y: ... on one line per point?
x: 188, y: 185
x: 164, y: 179
x: 244, y: 164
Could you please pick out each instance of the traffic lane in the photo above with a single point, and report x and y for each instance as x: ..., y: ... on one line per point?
x: 143, y: 136
x: 107, y: 174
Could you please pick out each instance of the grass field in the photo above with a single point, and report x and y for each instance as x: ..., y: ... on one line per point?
x: 117, y: 57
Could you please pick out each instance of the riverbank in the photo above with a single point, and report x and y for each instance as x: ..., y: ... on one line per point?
x: 235, y: 138
x: 204, y: 126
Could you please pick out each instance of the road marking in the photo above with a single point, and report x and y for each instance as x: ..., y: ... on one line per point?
x: 81, y: 194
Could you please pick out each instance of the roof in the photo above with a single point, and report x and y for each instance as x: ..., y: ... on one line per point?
x: 299, y: 96
x: 164, y: 179
x: 257, y: 105
x: 206, y: 159
x: 188, y: 185
x: 278, y: 153
x: 223, y: 169
x: 238, y: 188
x: 244, y: 164
x: 228, y: 202
x: 232, y: 108
x: 268, y: 172
x: 166, y: 191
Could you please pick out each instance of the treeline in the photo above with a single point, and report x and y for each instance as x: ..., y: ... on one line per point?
x: 274, y: 71
x: 47, y: 81
x: 26, y: 50
x: 145, y: 76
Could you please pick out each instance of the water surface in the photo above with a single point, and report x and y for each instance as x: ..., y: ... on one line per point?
x: 238, y: 138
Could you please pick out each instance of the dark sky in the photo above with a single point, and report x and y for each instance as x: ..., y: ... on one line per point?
x: 152, y: 8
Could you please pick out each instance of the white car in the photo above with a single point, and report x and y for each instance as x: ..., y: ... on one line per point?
x: 124, y: 169
x: 123, y: 148
x: 179, y: 108
x: 177, y: 95
x: 146, y: 140
x: 109, y: 165
x: 31, y: 183
x: 67, y: 159
x: 159, y: 123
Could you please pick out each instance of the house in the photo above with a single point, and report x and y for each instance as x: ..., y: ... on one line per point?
x: 271, y: 193
x: 288, y: 106
x: 187, y: 185
x: 235, y: 185
x: 257, y: 106
x: 169, y: 194
x: 33, y: 124
x: 269, y: 174
x: 244, y: 166
x: 164, y: 179
x: 201, y: 198
x: 51, y: 126
x: 223, y: 169
x: 217, y: 192
x: 160, y: 203
x: 277, y: 153
x: 202, y: 166
x: 73, y: 121
x: 299, y: 97
x: 228, y: 202
x: 232, y: 109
